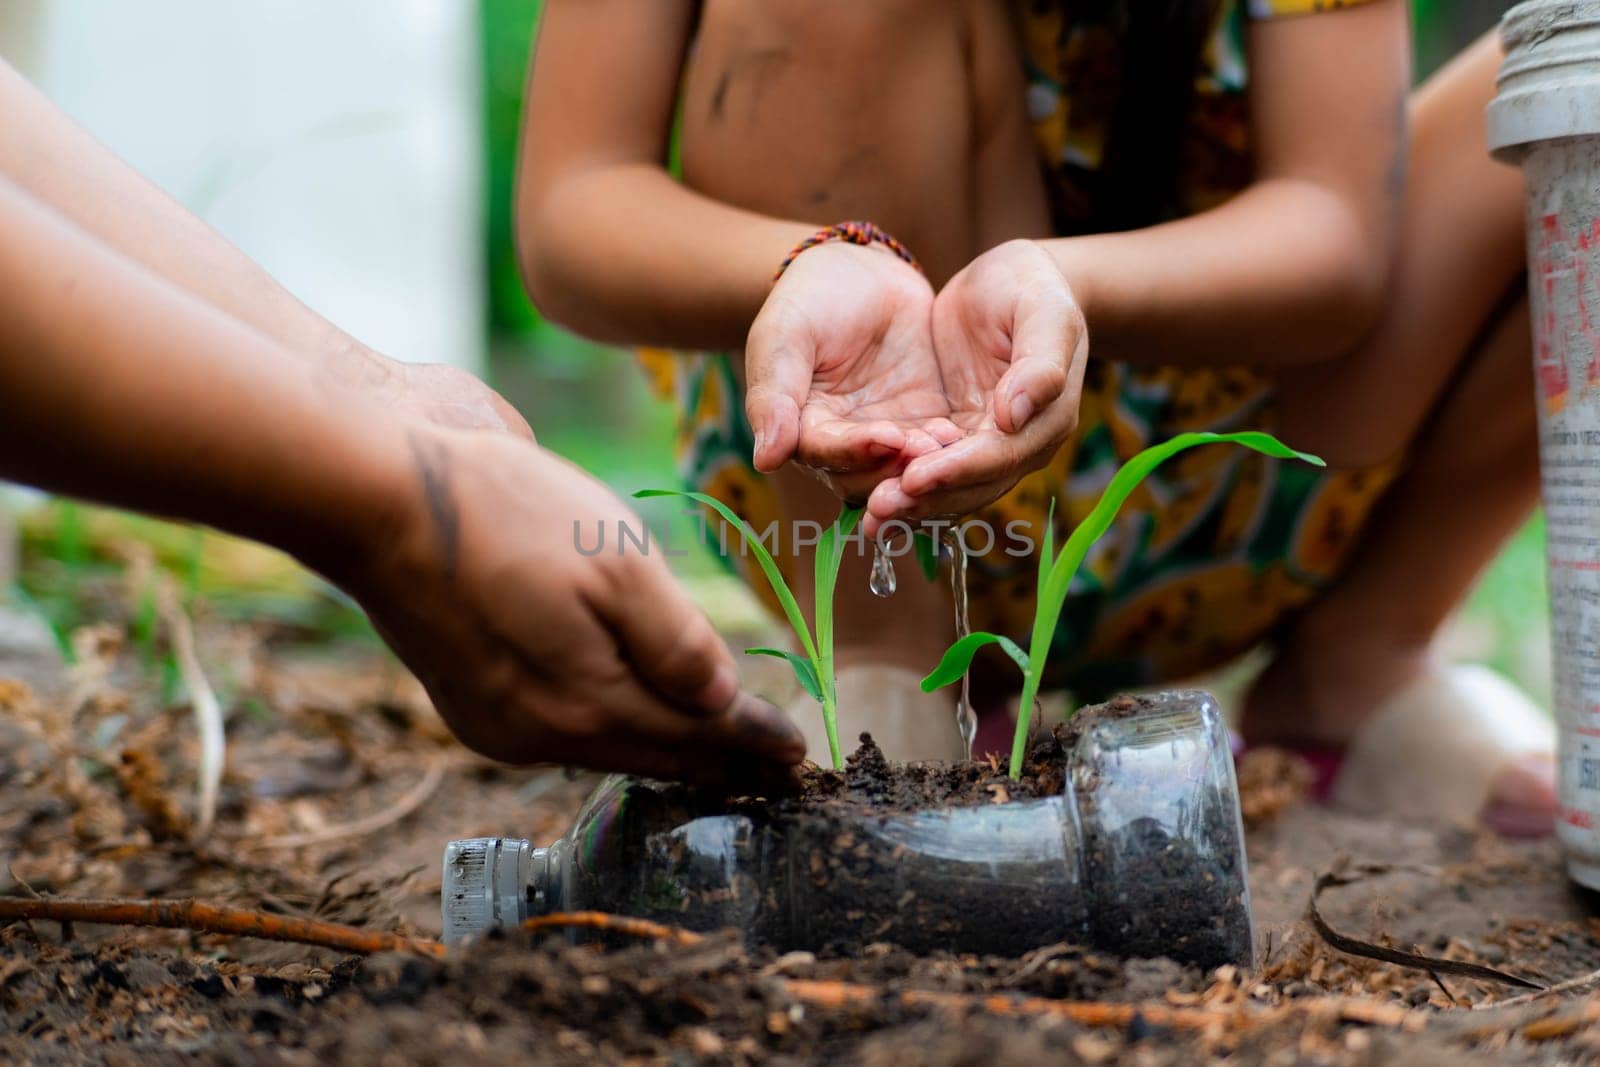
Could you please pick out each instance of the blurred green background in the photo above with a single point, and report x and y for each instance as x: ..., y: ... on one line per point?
x: 586, y: 401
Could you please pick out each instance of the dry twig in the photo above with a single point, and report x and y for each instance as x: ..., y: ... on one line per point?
x: 1433, y: 965
x: 211, y: 919
x: 207, y: 711
x: 1101, y: 1014
x: 613, y: 924
x: 414, y: 799
x: 1584, y: 983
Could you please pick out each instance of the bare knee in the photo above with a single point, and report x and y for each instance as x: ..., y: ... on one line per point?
x: 1381, y: 405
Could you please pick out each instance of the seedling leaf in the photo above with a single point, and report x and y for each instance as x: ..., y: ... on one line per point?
x: 1047, y: 553
x: 958, y: 657
x: 1056, y: 571
x: 1055, y: 582
x: 830, y: 553
x: 802, y: 668
x: 1014, y: 650
x: 815, y: 668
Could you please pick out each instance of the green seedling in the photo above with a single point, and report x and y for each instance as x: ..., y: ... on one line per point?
x: 1056, y: 572
x: 814, y: 669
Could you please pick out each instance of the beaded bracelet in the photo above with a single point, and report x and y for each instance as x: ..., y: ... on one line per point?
x: 857, y: 233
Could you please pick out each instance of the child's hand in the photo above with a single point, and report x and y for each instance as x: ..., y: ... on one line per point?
x: 840, y: 369
x: 1011, y: 345
x: 536, y: 652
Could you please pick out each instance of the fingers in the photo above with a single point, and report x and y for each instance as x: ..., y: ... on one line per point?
x: 889, y: 503
x: 854, y: 488
x: 748, y: 726
x: 515, y: 424
x: 839, y: 446
x: 709, y: 766
x: 1048, y: 350
x: 1035, y: 409
x: 940, y: 431
x: 971, y: 473
x: 668, y: 643
x: 987, y: 456
x: 676, y: 684
x: 1027, y: 388
x: 776, y: 423
x: 751, y: 724
x: 590, y: 707
x: 778, y: 370
x: 852, y: 459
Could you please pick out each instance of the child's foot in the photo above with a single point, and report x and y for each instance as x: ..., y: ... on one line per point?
x: 1459, y: 742
x: 1454, y: 742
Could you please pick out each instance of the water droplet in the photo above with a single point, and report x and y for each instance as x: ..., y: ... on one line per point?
x: 882, y: 582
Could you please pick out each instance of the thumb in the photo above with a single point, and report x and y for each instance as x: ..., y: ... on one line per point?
x: 1048, y: 348
x: 676, y: 653
x: 778, y: 363
x: 668, y: 642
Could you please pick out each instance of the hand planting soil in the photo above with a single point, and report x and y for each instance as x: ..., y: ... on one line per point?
x: 814, y: 669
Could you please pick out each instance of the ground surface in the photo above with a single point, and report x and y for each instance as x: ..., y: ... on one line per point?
x: 96, y: 795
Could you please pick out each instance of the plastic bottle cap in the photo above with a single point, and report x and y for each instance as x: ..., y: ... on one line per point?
x: 484, y: 885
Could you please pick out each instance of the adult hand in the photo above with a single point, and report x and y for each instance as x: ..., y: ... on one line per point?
x: 536, y: 652
x: 1011, y: 345
x: 460, y: 544
x: 451, y: 397
x: 840, y: 369
x: 438, y: 393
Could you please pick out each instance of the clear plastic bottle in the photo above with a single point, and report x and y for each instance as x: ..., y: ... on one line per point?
x: 1141, y: 854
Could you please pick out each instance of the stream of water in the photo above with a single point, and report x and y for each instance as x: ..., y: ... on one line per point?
x: 883, y: 584
x: 966, y: 718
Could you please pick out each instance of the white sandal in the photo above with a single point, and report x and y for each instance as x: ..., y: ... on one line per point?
x: 1460, y: 743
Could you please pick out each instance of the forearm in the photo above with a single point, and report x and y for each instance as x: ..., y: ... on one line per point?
x: 1284, y: 273
x: 123, y: 388
x: 56, y: 161
x: 625, y: 254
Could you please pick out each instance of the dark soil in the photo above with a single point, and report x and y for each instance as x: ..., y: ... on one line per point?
x: 870, y: 784
x: 334, y: 740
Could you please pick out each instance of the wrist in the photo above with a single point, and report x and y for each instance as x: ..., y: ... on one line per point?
x: 343, y: 362
x: 1070, y: 258
x: 866, y: 235
x: 362, y: 495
